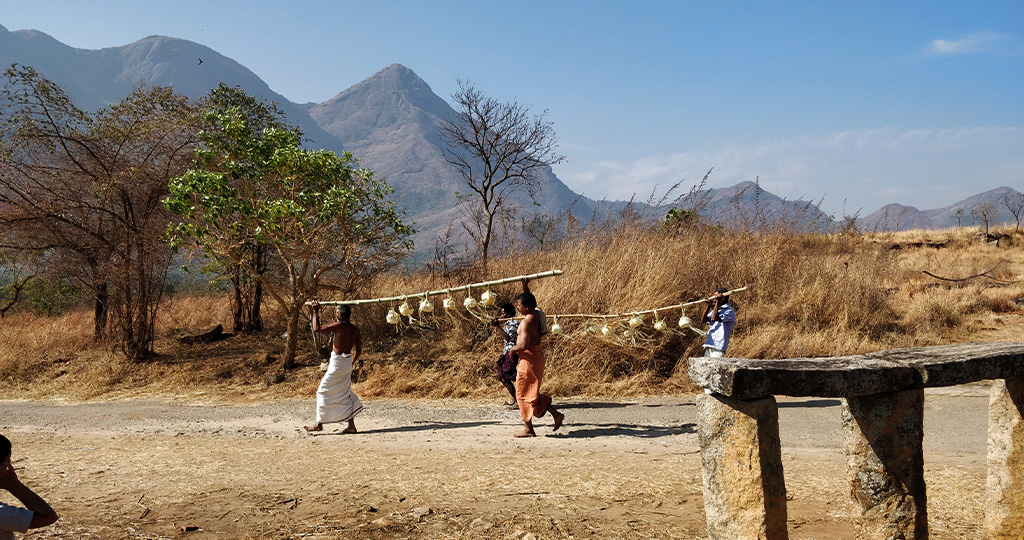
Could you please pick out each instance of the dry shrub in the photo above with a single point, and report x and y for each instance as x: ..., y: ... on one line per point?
x: 809, y: 295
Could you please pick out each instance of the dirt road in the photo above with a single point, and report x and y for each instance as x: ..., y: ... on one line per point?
x: 429, y: 469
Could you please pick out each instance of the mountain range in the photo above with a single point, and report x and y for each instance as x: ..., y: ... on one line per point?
x: 391, y: 122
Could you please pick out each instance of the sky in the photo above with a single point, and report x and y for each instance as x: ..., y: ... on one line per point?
x: 853, y: 104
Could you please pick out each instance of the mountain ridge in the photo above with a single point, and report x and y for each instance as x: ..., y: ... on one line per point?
x: 391, y: 121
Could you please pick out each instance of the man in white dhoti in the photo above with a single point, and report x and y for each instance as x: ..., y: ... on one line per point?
x: 335, y: 400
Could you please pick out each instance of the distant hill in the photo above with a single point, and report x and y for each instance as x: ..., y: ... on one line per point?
x: 392, y: 123
x: 896, y: 217
x: 96, y: 78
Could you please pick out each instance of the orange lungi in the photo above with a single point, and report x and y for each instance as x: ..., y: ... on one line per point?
x: 529, y: 373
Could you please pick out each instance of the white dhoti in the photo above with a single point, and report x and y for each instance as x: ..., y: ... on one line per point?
x: 335, y: 400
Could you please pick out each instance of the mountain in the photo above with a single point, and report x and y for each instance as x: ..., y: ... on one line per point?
x: 95, y: 78
x: 392, y: 122
x: 896, y: 217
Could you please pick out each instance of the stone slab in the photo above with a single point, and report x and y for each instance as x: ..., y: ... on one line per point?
x: 859, y: 375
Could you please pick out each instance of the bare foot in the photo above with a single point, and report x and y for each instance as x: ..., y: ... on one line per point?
x: 315, y: 427
x: 525, y: 433
x: 350, y: 429
x: 558, y: 420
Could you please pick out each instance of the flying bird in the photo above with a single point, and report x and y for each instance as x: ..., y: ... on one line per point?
x: 200, y: 62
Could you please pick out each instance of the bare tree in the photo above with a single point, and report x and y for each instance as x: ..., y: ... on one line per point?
x: 498, y: 148
x: 984, y: 213
x: 87, y: 190
x: 1014, y: 202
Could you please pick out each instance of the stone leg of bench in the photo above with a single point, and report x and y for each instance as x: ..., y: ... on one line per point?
x: 884, y: 435
x: 1004, y: 518
x: 741, y: 458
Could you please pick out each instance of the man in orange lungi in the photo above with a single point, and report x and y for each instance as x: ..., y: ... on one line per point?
x: 530, y: 370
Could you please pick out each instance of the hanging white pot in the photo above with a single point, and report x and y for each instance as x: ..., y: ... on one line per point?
x: 405, y: 309
x: 488, y: 298
x: 555, y: 327
x: 426, y: 306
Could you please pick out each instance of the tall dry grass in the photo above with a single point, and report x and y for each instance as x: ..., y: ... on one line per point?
x: 809, y: 295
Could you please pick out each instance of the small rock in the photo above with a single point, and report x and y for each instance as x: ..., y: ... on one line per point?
x: 420, y: 512
x: 528, y: 536
x: 275, y: 378
x: 481, y: 524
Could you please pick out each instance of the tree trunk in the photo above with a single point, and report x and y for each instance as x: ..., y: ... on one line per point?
x: 101, y: 298
x: 293, y: 336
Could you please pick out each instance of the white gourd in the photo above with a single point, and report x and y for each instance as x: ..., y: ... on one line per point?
x: 469, y: 302
x: 426, y: 306
x: 488, y: 298
x: 607, y: 330
x: 405, y: 309
x: 636, y: 321
x: 556, y: 328
x: 392, y: 317
x: 448, y: 302
x: 684, y: 321
x: 660, y: 325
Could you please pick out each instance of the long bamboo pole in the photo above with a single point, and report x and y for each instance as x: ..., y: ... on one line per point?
x: 541, y: 275
x: 631, y: 313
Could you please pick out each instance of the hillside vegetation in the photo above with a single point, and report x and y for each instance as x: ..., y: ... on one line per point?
x: 808, y: 295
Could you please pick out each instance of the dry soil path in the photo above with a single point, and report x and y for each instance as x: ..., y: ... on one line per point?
x: 431, y: 469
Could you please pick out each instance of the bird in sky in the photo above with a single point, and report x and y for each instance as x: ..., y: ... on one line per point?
x: 200, y: 61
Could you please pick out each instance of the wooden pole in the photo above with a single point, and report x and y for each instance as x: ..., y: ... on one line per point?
x: 467, y: 288
x: 629, y: 314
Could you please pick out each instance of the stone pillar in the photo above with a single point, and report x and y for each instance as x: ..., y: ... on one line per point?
x: 883, y: 434
x: 741, y: 459
x: 1004, y: 517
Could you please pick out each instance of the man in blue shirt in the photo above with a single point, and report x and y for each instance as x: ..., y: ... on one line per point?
x: 721, y: 319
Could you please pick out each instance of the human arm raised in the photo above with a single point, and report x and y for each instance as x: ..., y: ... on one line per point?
x: 42, y: 513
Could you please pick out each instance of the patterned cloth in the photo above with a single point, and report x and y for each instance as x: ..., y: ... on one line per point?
x: 335, y: 400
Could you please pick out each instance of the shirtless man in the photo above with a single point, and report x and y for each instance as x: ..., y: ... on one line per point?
x: 530, y: 370
x: 335, y: 400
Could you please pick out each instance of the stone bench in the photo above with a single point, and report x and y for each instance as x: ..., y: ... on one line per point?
x: 883, y: 405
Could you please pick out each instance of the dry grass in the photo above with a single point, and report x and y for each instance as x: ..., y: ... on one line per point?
x: 810, y: 295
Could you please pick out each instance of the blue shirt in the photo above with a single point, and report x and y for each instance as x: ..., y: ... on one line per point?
x: 720, y: 330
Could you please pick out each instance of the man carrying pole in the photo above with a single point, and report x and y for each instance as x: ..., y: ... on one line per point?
x: 335, y: 400
x: 530, y: 370
x: 721, y: 318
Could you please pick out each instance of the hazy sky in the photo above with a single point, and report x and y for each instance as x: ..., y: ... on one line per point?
x: 856, y: 103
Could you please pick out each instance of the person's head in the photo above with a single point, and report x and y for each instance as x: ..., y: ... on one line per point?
x: 5, y: 449
x: 526, y: 300
x: 343, y: 312
x: 507, y: 310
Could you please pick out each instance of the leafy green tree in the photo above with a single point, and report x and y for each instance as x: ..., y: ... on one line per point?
x: 326, y: 221
x: 246, y: 288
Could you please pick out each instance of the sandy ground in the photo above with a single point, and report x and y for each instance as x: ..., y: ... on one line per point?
x: 431, y: 469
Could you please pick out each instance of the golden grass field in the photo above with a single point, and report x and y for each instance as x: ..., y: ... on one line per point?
x: 809, y: 295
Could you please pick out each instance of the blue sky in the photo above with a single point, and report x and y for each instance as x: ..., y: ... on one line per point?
x: 858, y: 104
